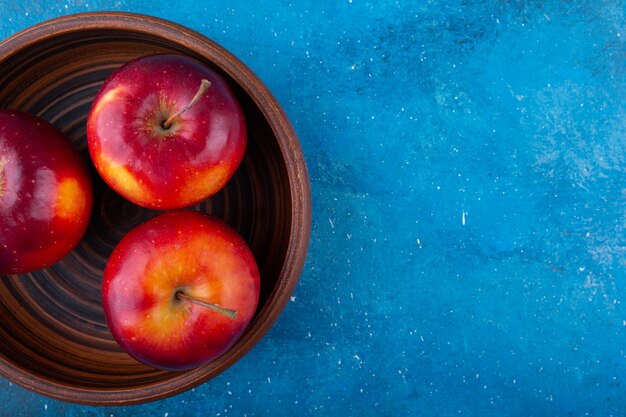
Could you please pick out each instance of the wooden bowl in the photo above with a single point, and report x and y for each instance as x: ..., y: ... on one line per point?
x: 55, y: 340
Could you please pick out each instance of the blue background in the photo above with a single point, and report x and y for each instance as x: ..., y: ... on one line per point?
x: 468, y: 251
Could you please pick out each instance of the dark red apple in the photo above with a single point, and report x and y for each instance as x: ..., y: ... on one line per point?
x: 45, y: 194
x: 179, y: 290
x: 166, y: 131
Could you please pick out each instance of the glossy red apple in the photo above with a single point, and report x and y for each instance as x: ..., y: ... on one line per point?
x: 166, y: 131
x: 179, y: 290
x: 45, y: 194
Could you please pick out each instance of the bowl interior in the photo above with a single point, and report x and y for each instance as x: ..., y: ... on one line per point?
x: 55, y: 339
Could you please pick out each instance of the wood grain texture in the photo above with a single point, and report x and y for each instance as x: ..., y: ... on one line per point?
x: 55, y: 339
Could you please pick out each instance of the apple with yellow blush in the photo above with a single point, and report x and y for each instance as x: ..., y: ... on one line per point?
x: 166, y: 131
x: 179, y: 290
x: 45, y: 194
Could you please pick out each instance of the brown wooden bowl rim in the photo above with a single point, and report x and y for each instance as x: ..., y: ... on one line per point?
x: 299, y: 187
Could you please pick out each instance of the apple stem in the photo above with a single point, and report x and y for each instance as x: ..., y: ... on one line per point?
x: 225, y: 311
x: 204, y: 86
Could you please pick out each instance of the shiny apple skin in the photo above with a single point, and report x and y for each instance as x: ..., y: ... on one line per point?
x: 157, y: 168
x: 45, y: 194
x: 187, y: 251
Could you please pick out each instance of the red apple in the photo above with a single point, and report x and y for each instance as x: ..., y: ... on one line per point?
x: 45, y: 194
x: 179, y: 290
x: 166, y: 131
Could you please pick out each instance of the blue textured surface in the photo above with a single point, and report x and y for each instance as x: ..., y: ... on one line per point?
x: 468, y: 252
